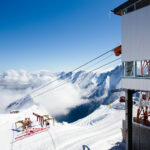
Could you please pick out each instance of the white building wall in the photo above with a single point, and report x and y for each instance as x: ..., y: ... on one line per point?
x: 136, y: 84
x: 136, y: 35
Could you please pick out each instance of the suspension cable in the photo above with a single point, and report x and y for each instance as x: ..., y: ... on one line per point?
x: 71, y: 71
x: 92, y: 60
x: 65, y: 82
x: 99, y: 61
x: 105, y: 64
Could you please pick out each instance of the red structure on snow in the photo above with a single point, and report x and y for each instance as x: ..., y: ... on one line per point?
x: 39, y: 118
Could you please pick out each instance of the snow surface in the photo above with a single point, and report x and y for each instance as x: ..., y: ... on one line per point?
x: 101, y: 130
x: 83, y: 91
x: 98, y: 127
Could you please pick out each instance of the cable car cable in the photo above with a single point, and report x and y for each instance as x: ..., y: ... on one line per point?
x: 105, y: 64
x: 99, y: 61
x: 71, y: 71
x: 69, y: 79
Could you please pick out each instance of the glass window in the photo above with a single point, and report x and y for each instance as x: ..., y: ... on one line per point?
x: 131, y: 8
x: 123, y: 74
x: 143, y: 68
x: 138, y: 69
x: 129, y: 69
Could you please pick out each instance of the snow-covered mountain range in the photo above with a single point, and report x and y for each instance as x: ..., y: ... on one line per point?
x: 83, y: 94
x: 90, y: 124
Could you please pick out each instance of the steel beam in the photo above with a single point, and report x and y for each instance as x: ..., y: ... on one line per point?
x: 129, y: 106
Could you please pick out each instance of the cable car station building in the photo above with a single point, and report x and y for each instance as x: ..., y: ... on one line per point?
x: 136, y: 67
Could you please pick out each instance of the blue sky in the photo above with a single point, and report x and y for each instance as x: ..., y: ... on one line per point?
x: 56, y: 34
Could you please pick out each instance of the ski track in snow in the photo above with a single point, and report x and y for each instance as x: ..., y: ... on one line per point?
x: 98, y: 131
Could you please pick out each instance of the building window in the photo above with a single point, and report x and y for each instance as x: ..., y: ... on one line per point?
x: 130, y: 9
x: 143, y: 68
x: 123, y: 70
x: 136, y: 68
x: 129, y: 69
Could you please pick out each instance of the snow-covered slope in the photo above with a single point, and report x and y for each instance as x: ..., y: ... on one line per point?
x: 92, y: 126
x: 95, y: 86
x: 99, y: 131
x: 85, y: 92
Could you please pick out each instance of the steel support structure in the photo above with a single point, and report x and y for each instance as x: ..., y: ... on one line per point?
x: 145, y: 67
x: 129, y: 106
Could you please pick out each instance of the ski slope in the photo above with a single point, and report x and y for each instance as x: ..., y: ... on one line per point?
x: 101, y: 130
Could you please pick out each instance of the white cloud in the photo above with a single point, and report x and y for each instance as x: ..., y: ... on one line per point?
x: 16, y: 84
x: 59, y: 101
x: 8, y: 96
